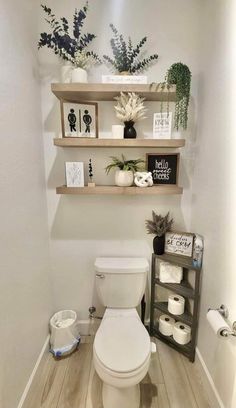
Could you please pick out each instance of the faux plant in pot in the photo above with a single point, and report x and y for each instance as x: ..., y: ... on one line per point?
x: 125, y: 170
x: 130, y: 109
x: 127, y: 58
x: 72, y: 49
x: 159, y: 226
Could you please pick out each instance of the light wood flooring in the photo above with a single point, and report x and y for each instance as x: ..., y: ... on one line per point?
x: 172, y: 382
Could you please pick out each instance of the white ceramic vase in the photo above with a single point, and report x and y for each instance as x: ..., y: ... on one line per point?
x: 79, y: 75
x: 124, y: 178
x: 66, y: 73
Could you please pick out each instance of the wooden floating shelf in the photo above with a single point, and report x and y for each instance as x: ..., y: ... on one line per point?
x: 89, y: 142
x: 107, y: 92
x: 114, y: 190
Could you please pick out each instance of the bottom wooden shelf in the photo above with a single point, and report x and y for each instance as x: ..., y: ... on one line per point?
x: 186, y: 349
x: 114, y: 190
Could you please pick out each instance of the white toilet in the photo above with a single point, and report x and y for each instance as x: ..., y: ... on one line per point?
x: 122, y: 345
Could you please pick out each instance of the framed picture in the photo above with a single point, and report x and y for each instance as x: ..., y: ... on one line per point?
x: 164, y: 167
x: 162, y: 125
x: 179, y: 243
x: 79, y: 119
x: 74, y: 174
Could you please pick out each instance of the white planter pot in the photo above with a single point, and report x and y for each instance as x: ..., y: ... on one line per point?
x: 66, y: 73
x: 79, y: 75
x: 124, y: 178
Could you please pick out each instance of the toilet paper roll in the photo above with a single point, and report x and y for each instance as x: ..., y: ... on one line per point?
x: 166, y: 324
x: 176, y: 304
x: 181, y: 333
x: 217, y: 322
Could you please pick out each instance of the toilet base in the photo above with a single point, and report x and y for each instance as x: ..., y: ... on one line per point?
x: 120, y: 397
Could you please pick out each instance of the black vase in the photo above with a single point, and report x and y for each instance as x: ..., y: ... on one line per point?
x: 159, y: 245
x: 129, y: 131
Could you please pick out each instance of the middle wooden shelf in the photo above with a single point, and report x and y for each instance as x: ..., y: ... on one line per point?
x: 95, y: 142
x: 114, y: 190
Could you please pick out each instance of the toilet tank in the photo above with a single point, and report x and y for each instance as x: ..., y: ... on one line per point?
x: 121, y: 282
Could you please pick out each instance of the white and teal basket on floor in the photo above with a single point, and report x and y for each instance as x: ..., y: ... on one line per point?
x: 64, y: 331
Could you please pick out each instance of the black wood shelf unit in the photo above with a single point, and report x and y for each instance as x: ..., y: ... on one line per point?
x: 184, y: 289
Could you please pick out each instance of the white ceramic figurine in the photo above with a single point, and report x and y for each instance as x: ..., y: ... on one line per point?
x: 143, y: 179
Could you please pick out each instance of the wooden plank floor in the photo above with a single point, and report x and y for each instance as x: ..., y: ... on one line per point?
x: 172, y: 382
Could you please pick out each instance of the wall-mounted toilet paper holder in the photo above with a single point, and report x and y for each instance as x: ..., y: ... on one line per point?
x: 223, y: 310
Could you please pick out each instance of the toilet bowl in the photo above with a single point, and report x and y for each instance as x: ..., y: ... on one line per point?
x: 122, y: 346
x: 121, y: 355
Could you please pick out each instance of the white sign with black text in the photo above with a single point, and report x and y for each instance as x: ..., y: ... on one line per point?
x: 178, y: 243
x: 162, y: 125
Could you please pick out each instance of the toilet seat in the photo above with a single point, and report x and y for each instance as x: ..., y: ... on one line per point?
x: 122, y: 344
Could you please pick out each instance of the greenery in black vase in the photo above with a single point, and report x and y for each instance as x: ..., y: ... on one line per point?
x: 180, y: 75
x: 90, y: 171
x: 126, y: 56
x: 60, y: 40
x: 159, y: 225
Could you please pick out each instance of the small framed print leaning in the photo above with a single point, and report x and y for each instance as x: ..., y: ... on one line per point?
x: 164, y: 167
x: 74, y: 174
x: 79, y: 119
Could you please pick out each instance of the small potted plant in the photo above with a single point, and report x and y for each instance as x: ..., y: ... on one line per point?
x: 159, y: 226
x: 71, y: 49
x: 124, y: 175
x: 126, y: 57
x: 130, y: 109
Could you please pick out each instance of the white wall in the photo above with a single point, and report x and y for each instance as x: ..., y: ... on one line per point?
x: 24, y: 260
x: 214, y: 193
x: 82, y: 228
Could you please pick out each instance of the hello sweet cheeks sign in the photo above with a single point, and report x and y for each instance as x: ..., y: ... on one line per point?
x: 164, y: 167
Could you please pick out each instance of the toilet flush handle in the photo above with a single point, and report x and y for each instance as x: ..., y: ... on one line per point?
x: 100, y: 276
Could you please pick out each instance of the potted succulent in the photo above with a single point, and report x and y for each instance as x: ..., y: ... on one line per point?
x: 124, y: 175
x: 71, y: 49
x: 126, y: 57
x: 130, y: 109
x: 159, y: 226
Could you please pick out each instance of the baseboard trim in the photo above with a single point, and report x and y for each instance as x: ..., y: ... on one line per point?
x: 28, y: 385
x: 212, y: 392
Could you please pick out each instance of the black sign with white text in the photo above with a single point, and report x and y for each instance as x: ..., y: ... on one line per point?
x: 164, y: 167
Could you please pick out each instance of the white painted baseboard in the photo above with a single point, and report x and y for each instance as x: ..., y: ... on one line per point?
x: 209, y: 385
x: 26, y: 390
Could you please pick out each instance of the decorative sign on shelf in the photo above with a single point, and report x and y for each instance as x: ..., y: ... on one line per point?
x: 162, y: 125
x: 179, y: 243
x: 79, y: 119
x: 74, y: 174
x: 124, y: 79
x: 164, y: 167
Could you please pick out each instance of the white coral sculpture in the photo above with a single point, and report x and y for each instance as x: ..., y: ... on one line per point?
x: 130, y: 107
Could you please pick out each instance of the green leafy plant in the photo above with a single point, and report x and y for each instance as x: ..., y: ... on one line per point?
x: 159, y: 225
x: 123, y: 164
x: 180, y: 75
x: 126, y: 57
x: 68, y: 47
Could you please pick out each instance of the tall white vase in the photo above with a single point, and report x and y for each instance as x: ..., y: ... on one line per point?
x: 66, y: 73
x: 79, y: 75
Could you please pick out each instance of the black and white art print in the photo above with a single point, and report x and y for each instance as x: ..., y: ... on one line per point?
x: 164, y: 167
x: 79, y: 119
x: 74, y: 174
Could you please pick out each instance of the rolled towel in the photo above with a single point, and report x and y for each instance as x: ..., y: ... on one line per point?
x: 169, y: 273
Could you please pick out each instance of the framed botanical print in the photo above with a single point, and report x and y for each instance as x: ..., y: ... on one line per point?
x: 74, y: 174
x: 79, y: 119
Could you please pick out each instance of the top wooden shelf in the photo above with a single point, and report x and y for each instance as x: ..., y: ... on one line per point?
x: 107, y: 92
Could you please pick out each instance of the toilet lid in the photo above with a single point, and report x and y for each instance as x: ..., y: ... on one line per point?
x: 122, y: 344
